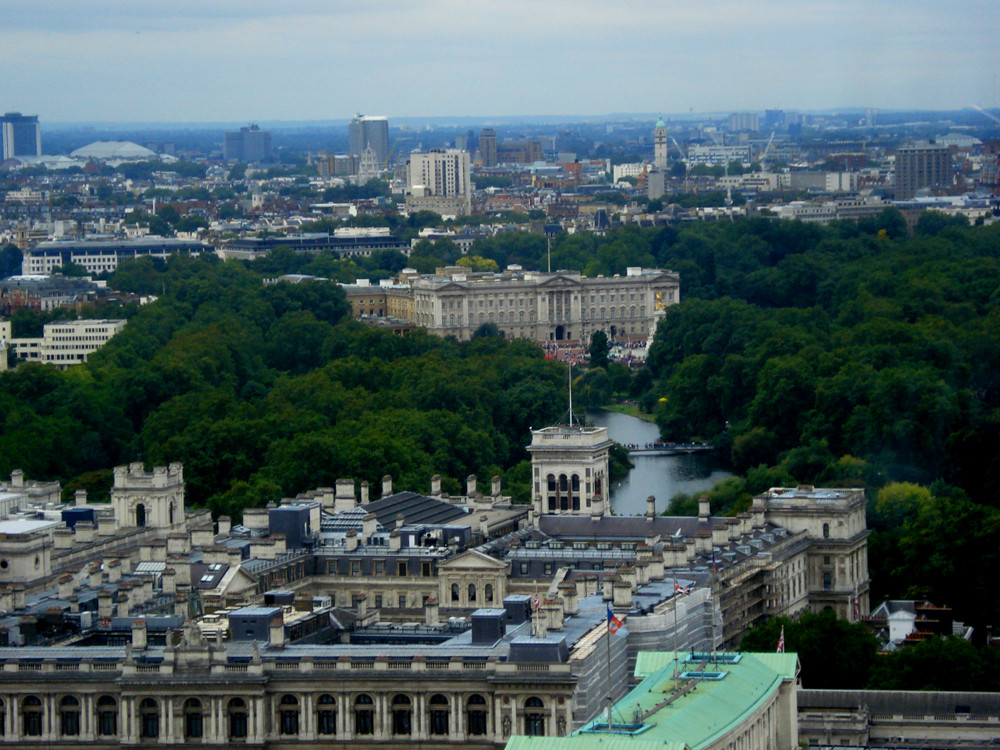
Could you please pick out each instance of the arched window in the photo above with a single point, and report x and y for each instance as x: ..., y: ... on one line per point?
x: 171, y: 514
x: 472, y: 593
x: 439, y: 714
x: 194, y: 719
x: 237, y: 718
x: 455, y: 596
x: 576, y: 483
x: 288, y: 715
x: 826, y: 531
x: 140, y: 515
x: 107, y: 716
x: 364, y: 715
x: 488, y: 593
x: 552, y: 482
x: 69, y: 716
x: 402, y: 715
x: 477, y: 716
x: 326, y: 714
x: 534, y: 717
x: 31, y: 716
x: 563, y: 483
x: 149, y: 718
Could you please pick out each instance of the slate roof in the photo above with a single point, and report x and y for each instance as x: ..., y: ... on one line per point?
x: 416, y: 509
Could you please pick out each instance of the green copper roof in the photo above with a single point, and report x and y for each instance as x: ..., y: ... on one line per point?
x: 660, y: 123
x: 589, y: 742
x: 682, y: 713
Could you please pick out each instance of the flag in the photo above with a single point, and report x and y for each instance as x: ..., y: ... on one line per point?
x: 781, y: 641
x: 681, y: 589
x: 715, y: 565
x: 857, y: 608
x: 614, y: 624
x: 537, y: 602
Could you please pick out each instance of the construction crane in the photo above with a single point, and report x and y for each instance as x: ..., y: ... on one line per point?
x: 679, y: 149
x: 984, y: 112
x: 767, y: 149
x: 388, y: 154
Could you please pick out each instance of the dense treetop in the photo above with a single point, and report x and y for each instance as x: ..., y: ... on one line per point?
x: 265, y: 390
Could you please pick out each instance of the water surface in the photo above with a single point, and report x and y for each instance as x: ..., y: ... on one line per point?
x: 660, y: 476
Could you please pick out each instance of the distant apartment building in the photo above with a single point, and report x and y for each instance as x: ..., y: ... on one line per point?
x: 344, y: 243
x: 922, y: 165
x: 850, y: 208
x: 247, y: 144
x: 488, y: 147
x: 337, y: 165
x: 719, y: 155
x: 67, y: 342
x: 525, y: 151
x: 632, y: 169
x: 439, y: 180
x: 368, y: 131
x: 103, y: 256
x: 44, y: 293
x: 20, y: 135
x: 544, y: 306
x: 743, y: 121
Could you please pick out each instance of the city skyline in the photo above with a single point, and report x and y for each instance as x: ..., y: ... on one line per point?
x: 227, y: 61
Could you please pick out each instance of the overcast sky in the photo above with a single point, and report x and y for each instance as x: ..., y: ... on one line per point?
x: 243, y: 60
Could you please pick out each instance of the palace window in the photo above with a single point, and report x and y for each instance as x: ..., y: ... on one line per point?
x: 237, y: 718
x: 402, y: 715
x: 288, y: 715
x: 149, y: 719
x: 194, y: 719
x: 439, y: 714
x: 364, y: 715
x: 107, y: 716
x: 477, y: 717
x: 31, y: 716
x: 534, y: 717
x: 326, y: 714
x: 69, y: 716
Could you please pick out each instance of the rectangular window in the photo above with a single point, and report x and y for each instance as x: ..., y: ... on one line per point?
x: 525, y: 567
x: 425, y: 570
x: 401, y: 569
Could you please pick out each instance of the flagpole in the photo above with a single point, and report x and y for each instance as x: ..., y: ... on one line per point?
x: 608, y: 636
x: 675, y: 627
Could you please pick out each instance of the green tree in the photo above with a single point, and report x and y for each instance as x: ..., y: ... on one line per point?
x: 599, y: 349
x: 834, y: 654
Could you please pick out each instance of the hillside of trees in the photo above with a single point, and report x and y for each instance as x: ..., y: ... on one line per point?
x: 263, y: 391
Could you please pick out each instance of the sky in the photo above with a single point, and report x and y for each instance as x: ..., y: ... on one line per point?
x: 262, y: 60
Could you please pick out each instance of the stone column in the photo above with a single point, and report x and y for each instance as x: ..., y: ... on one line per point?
x: 257, y: 716
x: 307, y: 719
x: 345, y: 727
x: 171, y: 730
x: 48, y: 717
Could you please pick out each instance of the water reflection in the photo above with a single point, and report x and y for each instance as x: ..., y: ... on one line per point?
x: 660, y: 476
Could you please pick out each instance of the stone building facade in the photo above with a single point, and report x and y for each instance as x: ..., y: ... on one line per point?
x: 544, y: 307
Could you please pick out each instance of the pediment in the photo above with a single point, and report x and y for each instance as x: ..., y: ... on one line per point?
x: 472, y: 560
x: 560, y: 282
